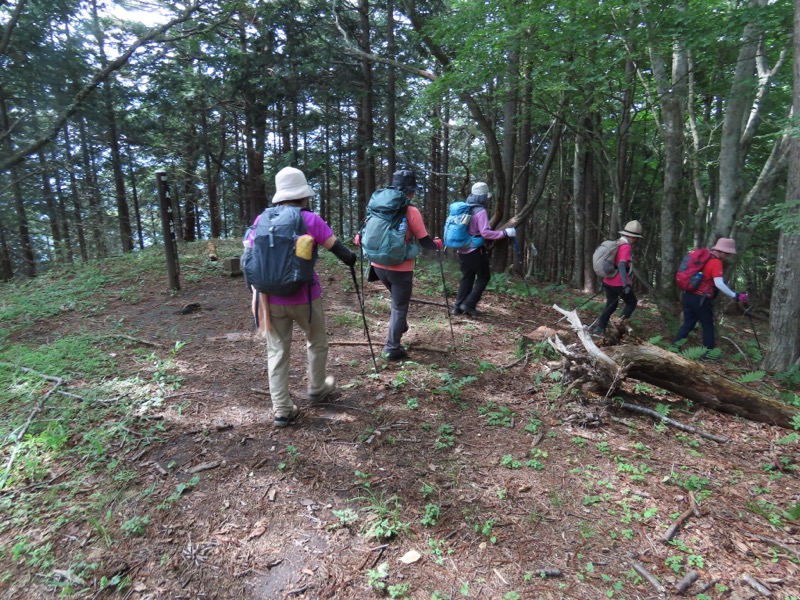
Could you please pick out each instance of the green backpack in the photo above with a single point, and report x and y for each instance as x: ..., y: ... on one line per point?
x: 383, y: 235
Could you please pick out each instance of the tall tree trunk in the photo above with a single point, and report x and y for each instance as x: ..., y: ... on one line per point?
x: 520, y: 191
x: 59, y: 254
x: 578, y: 207
x: 212, y: 179
x: 123, y: 212
x: 25, y: 242
x: 6, y: 267
x: 96, y: 215
x: 63, y: 216
x: 366, y: 127
x: 391, y: 93
x: 74, y: 195
x: 191, y: 158
x: 672, y: 90
x: 732, y: 152
x: 783, y: 348
x: 137, y: 214
x: 622, y: 170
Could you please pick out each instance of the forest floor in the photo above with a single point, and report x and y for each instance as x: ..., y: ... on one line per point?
x: 463, y: 472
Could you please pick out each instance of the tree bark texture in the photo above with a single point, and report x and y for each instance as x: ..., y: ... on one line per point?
x: 783, y: 348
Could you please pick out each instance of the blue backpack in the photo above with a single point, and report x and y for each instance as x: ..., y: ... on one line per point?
x: 456, y: 227
x: 383, y: 235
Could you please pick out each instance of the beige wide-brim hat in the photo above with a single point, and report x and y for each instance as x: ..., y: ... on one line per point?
x: 291, y: 184
x: 726, y: 245
x: 632, y: 229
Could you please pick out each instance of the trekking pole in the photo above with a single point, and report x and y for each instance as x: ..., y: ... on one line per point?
x: 364, y: 317
x: 446, y: 301
x: 584, y: 304
x: 521, y: 266
x: 748, y: 311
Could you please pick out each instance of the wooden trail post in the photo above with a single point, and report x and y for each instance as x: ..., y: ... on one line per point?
x: 168, y: 230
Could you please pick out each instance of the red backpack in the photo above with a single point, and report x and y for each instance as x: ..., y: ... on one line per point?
x: 689, y: 275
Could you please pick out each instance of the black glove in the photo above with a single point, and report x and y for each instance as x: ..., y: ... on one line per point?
x: 343, y: 253
x: 626, y: 290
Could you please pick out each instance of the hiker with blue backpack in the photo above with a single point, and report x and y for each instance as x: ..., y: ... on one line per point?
x: 278, y: 263
x: 700, y: 276
x: 618, y: 284
x: 390, y: 240
x: 466, y: 230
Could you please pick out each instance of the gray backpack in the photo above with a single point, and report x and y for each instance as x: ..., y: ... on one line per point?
x: 275, y: 265
x: 603, y: 259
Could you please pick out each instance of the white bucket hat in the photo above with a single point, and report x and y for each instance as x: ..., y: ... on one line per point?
x: 480, y: 189
x: 632, y: 229
x: 291, y: 184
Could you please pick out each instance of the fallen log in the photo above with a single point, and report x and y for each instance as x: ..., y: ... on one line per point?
x: 687, y: 378
x: 694, y: 381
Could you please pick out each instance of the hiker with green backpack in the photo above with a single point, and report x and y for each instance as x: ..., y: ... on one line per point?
x: 390, y: 240
x: 617, y: 282
x: 466, y: 230
x: 280, y: 250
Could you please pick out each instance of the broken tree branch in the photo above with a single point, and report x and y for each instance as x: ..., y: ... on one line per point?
x: 676, y: 424
x: 670, y: 533
x: 21, y: 434
x: 649, y: 577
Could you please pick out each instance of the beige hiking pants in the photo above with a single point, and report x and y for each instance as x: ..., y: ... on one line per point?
x: 279, y: 343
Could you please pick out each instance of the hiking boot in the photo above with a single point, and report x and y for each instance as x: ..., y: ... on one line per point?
x: 597, y: 331
x: 396, y: 355
x: 330, y: 385
x: 472, y: 312
x: 285, y: 420
x: 456, y: 310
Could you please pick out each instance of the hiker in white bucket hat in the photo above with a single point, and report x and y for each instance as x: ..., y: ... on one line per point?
x: 276, y: 313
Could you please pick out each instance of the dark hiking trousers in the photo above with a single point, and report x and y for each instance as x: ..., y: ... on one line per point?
x: 475, y: 275
x: 613, y: 295
x: 697, y: 307
x: 400, y: 285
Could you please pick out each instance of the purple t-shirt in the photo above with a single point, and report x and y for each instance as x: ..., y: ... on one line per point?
x: 318, y: 229
x: 479, y: 225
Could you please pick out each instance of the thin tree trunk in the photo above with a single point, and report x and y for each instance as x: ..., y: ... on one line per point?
x: 366, y: 127
x: 137, y: 214
x: 74, y: 195
x: 578, y: 213
x: 391, y: 93
x: 52, y: 210
x: 63, y: 216
x: 96, y: 218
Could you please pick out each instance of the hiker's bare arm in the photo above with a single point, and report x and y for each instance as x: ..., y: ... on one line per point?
x: 328, y: 244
